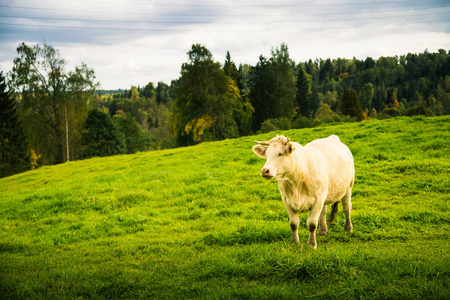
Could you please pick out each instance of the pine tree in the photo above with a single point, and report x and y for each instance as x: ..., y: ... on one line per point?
x: 162, y: 93
x: 261, y: 92
x: 230, y: 69
x: 349, y: 104
x: 284, y: 82
x: 148, y: 91
x: 303, y: 97
x: 14, y: 156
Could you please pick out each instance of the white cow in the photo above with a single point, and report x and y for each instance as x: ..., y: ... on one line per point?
x: 310, y: 178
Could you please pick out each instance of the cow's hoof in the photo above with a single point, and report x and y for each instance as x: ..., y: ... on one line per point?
x: 322, y: 232
x: 314, y: 246
x: 312, y: 243
x: 348, y: 227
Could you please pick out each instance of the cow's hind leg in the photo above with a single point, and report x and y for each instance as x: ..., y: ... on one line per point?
x: 334, y: 210
x: 347, y: 206
x: 323, y: 222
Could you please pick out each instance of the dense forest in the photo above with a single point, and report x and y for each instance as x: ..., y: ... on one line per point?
x: 50, y: 116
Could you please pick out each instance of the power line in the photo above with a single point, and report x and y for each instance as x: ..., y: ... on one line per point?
x: 221, y: 22
x: 247, y: 6
x: 375, y: 12
x: 219, y: 30
x: 207, y: 15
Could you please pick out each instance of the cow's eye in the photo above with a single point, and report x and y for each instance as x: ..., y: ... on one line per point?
x: 280, y: 154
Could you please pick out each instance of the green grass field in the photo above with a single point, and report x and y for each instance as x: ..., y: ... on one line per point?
x: 199, y: 222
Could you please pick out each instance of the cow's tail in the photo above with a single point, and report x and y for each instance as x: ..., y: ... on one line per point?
x: 334, y: 210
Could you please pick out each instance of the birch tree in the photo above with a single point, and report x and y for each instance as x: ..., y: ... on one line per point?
x: 54, y: 101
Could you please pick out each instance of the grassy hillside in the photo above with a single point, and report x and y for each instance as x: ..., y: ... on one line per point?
x: 200, y: 222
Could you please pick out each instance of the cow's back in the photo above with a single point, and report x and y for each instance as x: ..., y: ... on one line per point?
x: 337, y: 159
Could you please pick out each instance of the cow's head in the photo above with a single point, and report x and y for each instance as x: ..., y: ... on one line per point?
x: 278, y: 152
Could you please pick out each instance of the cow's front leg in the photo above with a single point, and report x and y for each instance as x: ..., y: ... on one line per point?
x: 312, y: 222
x: 294, y: 222
x: 323, y: 222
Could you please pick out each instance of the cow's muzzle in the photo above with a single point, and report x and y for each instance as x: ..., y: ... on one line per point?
x: 266, y: 173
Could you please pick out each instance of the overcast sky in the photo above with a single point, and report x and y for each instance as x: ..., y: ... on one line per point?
x: 139, y: 41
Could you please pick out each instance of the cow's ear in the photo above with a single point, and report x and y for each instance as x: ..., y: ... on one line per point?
x: 260, y: 150
x: 290, y: 148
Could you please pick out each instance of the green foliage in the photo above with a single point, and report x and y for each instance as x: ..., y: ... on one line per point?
x: 261, y: 88
x: 53, y: 101
x: 349, y: 104
x: 199, y: 126
x: 135, y: 138
x: 366, y: 96
x: 444, y: 99
x: 163, y: 94
x: 229, y: 67
x: 151, y: 110
x: 413, y: 77
x: 142, y: 109
x: 283, y: 79
x: 390, y: 112
x: 281, y: 123
x: 272, y: 87
x: 54, y: 106
x: 276, y: 124
x: 325, y: 114
x: 303, y: 98
x: 206, y: 93
x: 303, y: 122
x: 418, y: 110
x: 149, y: 91
x: 101, y: 137
x: 161, y: 128
x: 200, y: 222
x: 267, y: 126
x: 14, y: 157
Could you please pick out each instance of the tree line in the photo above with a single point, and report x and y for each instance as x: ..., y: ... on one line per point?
x: 50, y: 115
